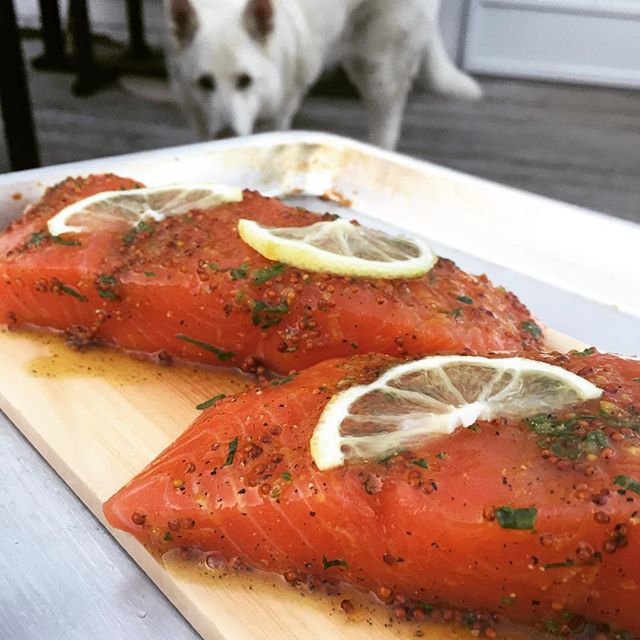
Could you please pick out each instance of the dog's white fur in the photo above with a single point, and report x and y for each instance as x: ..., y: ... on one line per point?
x: 242, y: 64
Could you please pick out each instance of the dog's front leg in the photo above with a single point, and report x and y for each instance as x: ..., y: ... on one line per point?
x: 283, y: 119
x: 196, y: 120
x: 384, y: 92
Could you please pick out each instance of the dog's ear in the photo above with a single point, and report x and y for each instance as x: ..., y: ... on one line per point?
x: 258, y: 19
x: 184, y: 20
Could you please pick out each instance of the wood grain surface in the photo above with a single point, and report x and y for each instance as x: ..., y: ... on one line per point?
x: 100, y: 417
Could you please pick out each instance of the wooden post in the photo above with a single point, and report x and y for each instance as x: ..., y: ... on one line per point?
x: 14, y: 94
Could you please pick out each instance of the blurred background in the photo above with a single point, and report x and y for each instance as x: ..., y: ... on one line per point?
x: 560, y: 115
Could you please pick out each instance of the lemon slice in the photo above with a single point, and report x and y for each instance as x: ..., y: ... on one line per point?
x: 115, y: 209
x: 340, y: 247
x: 436, y: 395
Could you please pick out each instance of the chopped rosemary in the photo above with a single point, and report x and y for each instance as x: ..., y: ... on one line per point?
x: 465, y: 299
x: 337, y: 562
x: 66, y: 243
x: 277, y: 381
x: 107, y: 293
x: 627, y: 483
x: 220, y: 354
x: 233, y: 446
x: 210, y: 402
x: 72, y: 292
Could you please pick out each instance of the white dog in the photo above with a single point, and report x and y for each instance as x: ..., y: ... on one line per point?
x: 240, y: 64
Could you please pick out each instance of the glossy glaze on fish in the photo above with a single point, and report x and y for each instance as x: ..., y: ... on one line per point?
x: 537, y: 520
x: 189, y: 287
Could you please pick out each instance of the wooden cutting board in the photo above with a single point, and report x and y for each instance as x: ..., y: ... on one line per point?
x: 98, y: 418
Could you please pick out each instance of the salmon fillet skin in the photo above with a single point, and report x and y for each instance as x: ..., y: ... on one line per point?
x: 189, y: 287
x: 536, y: 520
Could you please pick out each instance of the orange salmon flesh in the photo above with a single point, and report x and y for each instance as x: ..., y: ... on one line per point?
x: 537, y: 520
x: 189, y: 287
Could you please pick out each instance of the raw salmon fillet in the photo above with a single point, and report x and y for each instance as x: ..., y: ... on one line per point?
x: 190, y: 287
x: 425, y: 528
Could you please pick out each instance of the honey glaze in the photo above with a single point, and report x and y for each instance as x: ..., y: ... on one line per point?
x: 352, y: 608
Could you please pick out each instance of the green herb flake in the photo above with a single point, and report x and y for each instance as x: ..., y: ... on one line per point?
x: 420, y: 462
x: 388, y: 456
x: 240, y: 272
x: 220, y: 354
x: 532, y: 328
x: 107, y: 293
x: 337, y: 562
x: 108, y: 280
x: 286, y: 476
x: 457, y: 312
x: 141, y: 227
x: 72, y: 292
x: 210, y: 402
x: 168, y: 537
x: 564, y: 438
x: 627, y: 483
x: 66, y: 243
x: 636, y: 379
x: 465, y: 299
x: 233, y: 446
x: 523, y: 519
x: 552, y: 627
x: 260, y: 276
x: 278, y: 381
x: 559, y: 565
x: 266, y: 316
x: 587, y: 352
x: 36, y: 238
x: 441, y: 456
x: 150, y: 274
x: 213, y: 266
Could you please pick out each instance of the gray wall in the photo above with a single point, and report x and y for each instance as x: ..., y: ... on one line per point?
x: 452, y: 19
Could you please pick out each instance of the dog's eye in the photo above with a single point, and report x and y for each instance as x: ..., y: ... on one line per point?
x: 207, y: 82
x: 243, y: 81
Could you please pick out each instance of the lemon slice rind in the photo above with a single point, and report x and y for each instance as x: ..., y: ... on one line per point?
x: 213, y: 194
x: 303, y: 254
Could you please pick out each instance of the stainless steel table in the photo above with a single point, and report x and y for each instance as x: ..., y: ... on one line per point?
x: 62, y: 576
